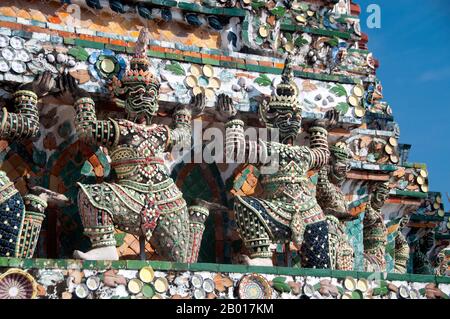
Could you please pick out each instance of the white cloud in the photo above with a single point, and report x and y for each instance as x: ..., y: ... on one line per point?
x: 435, y: 75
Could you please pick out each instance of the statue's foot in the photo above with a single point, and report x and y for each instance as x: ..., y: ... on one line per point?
x: 102, y: 253
x: 246, y: 260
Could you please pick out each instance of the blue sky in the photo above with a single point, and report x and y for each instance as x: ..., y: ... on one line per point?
x: 413, y: 47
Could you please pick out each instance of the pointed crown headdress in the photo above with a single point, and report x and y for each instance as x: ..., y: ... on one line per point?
x: 287, y: 91
x: 286, y: 97
x: 139, y: 70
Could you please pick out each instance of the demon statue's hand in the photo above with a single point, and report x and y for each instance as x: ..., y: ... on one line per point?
x: 330, y: 119
x: 197, y: 104
x: 69, y: 88
x: 225, y: 108
x: 53, y: 199
x: 42, y: 85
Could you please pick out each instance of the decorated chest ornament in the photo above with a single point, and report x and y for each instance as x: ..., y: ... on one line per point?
x: 138, y: 91
x: 284, y: 111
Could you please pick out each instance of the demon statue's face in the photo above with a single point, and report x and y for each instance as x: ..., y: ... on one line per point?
x: 379, y: 195
x: 283, y: 112
x: 138, y: 90
x: 339, y: 162
x: 141, y: 102
x: 288, y: 123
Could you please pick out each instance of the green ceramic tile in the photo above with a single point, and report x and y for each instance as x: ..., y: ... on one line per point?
x: 313, y: 272
x: 174, y: 56
x: 263, y: 270
x: 74, y: 264
x: 168, y: 3
x: 421, y: 278
x: 161, y: 265
x: 119, y: 264
x: 89, y: 264
x: 4, y: 262
x: 27, y: 263
x: 204, y: 267
x: 217, y: 10
x: 217, y: 52
x: 398, y: 277
x: 228, y: 64
x: 188, y: 6
x: 22, y: 34
x: 236, y: 12
x: 193, y: 59
x: 103, y: 264
x: 89, y: 44
x: 136, y: 264
x: 233, y: 268
x: 288, y: 27
x: 272, y: 70
x: 339, y: 274
x: 61, y: 264
x: 15, y: 262
x: 210, y: 61
x: 353, y: 274
x: 288, y: 271
x: 180, y: 266
x: 161, y: 2
x: 442, y: 280
x: 253, y: 67
x: 130, y: 50
x: 38, y: 23
x: 114, y: 47
x: 206, y: 10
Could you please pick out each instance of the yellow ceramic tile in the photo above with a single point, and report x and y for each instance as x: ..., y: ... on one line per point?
x: 116, y: 28
x: 7, y: 11
x: 246, y: 188
x: 23, y: 14
x: 134, y: 34
x: 37, y: 15
x: 91, y: 26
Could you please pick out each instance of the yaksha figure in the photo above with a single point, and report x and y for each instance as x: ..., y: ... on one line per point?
x: 332, y: 201
x: 401, y: 250
x: 143, y: 200
x: 374, y: 229
x: 21, y: 218
x: 443, y: 263
x: 287, y: 210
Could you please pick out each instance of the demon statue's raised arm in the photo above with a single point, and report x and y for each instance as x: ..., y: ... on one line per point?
x: 374, y: 229
x: 288, y: 210
x: 22, y: 217
x: 143, y: 200
x: 401, y: 249
x: 332, y: 201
